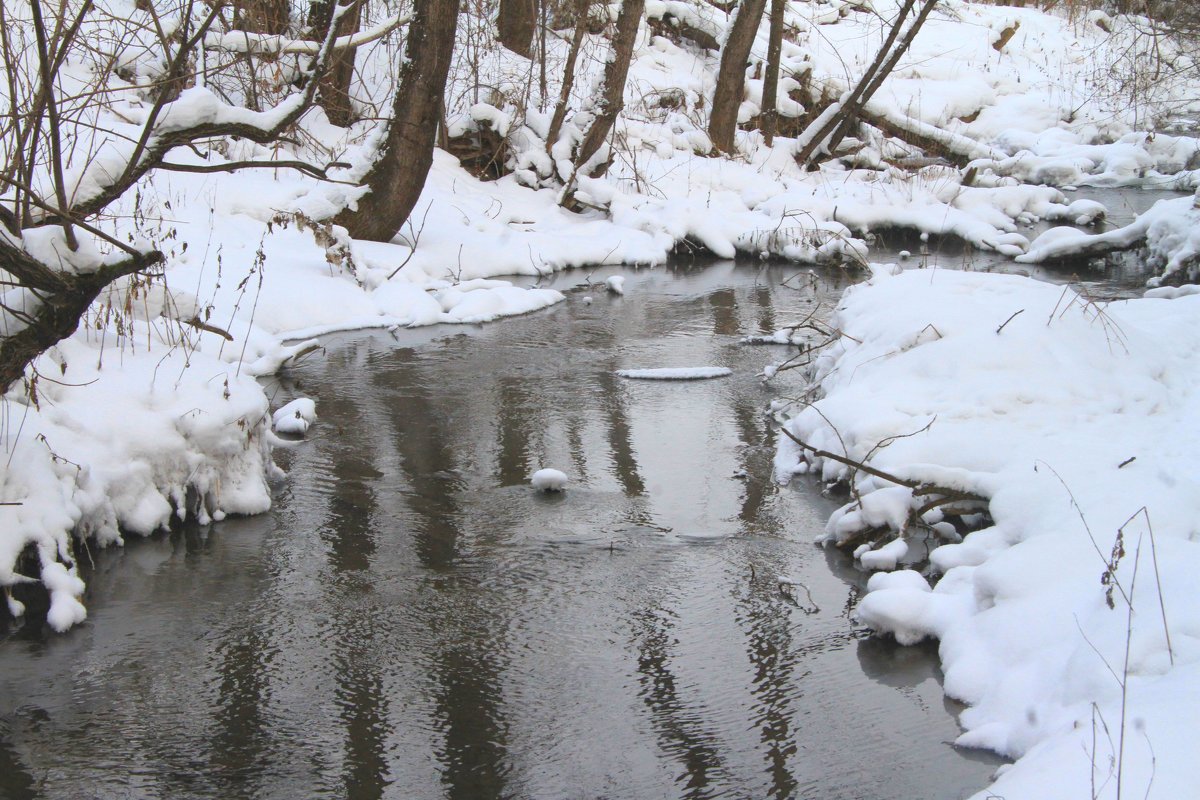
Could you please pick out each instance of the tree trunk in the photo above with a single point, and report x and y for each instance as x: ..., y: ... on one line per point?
x: 334, y: 92
x: 731, y: 79
x: 771, y: 82
x: 516, y: 24
x: 876, y: 80
x: 885, y: 61
x: 261, y: 16
x: 398, y: 174
x: 612, y: 101
x: 564, y: 96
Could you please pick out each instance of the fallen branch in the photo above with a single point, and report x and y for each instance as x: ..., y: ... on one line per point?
x: 918, y: 488
x: 955, y: 147
x: 199, y: 324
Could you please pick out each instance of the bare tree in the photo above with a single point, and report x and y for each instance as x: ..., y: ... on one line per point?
x: 770, y: 113
x: 398, y: 174
x: 55, y: 253
x: 731, y: 78
x: 616, y: 71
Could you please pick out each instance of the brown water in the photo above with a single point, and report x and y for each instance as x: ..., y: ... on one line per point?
x: 413, y: 621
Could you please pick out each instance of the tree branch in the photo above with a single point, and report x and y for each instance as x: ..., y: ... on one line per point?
x: 59, y: 313
x: 233, y: 166
x: 917, y: 487
x: 260, y: 127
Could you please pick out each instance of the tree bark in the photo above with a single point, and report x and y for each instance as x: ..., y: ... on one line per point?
x: 334, y: 92
x: 612, y: 101
x: 398, y: 174
x: 731, y: 79
x: 515, y: 25
x: 261, y: 16
x: 770, y: 114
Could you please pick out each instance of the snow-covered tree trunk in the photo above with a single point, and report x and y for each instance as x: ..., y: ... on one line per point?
x: 334, y: 92
x: 564, y: 97
x: 731, y: 78
x: 398, y: 174
x: 56, y: 302
x: 612, y: 100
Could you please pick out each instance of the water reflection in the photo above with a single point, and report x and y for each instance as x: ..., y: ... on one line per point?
x: 243, y: 698
x: 473, y: 751
x: 620, y: 435
x: 683, y: 734
x: 413, y: 621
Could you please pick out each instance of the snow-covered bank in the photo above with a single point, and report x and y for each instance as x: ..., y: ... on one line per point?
x: 1077, y: 422
x: 1170, y: 231
x: 121, y: 436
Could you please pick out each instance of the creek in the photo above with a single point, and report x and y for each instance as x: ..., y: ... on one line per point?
x: 412, y: 620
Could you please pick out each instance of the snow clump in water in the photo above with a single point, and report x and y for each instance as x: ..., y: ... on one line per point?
x: 549, y: 480
x: 296, y: 417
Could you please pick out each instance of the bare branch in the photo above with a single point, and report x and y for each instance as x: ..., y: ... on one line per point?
x: 234, y: 166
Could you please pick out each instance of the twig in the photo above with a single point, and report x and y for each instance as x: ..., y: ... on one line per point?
x: 815, y: 608
x: 917, y: 487
x: 199, y: 324
x: 1145, y: 512
x: 1010, y: 319
x: 1109, y: 569
x: 1125, y: 669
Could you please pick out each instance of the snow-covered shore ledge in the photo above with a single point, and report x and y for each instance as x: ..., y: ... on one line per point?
x: 1076, y: 421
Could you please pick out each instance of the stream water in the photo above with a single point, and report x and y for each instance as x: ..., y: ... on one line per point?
x: 412, y: 620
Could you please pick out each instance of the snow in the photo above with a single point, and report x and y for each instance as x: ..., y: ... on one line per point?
x: 296, y: 416
x: 1170, y: 230
x: 675, y: 373
x: 548, y: 480
x: 885, y: 557
x: 1041, y: 419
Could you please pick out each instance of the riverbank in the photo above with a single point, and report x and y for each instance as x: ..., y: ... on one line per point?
x: 1065, y: 620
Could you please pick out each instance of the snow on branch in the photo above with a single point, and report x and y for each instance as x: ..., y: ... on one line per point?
x: 270, y: 44
x: 195, y: 113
